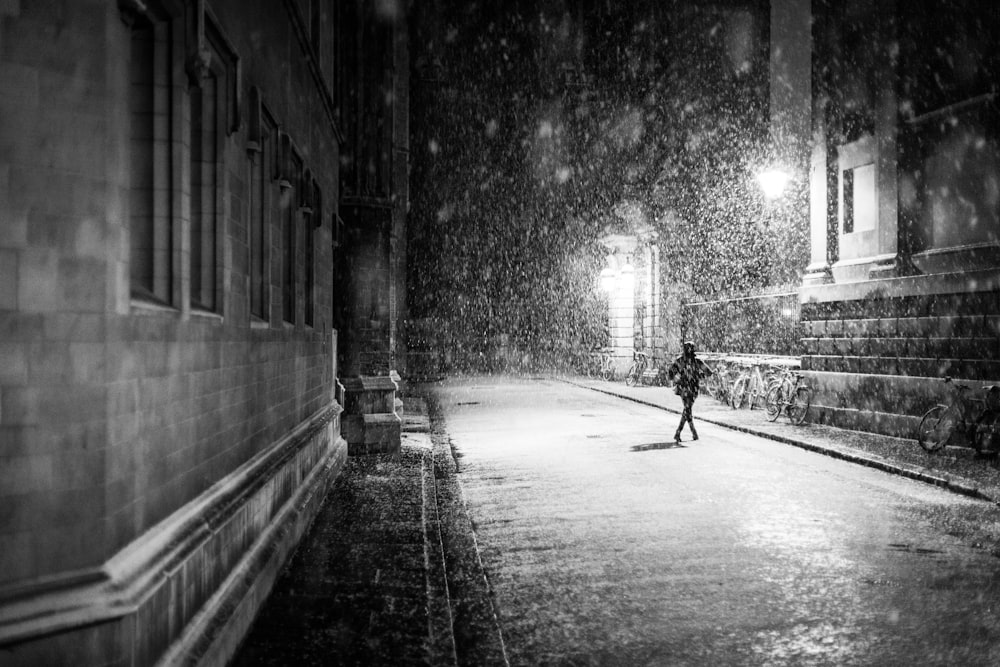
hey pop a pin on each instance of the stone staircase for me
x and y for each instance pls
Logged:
(876, 359)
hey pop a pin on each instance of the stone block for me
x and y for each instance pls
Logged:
(916, 347)
(26, 474)
(960, 348)
(911, 326)
(948, 325)
(985, 348)
(13, 363)
(853, 329)
(887, 327)
(20, 406)
(352, 428)
(867, 327)
(896, 347)
(824, 346)
(20, 84)
(937, 348)
(10, 8)
(369, 394)
(17, 561)
(991, 324)
(38, 287)
(988, 370)
(879, 365)
(66, 404)
(381, 434)
(843, 346)
(810, 345)
(49, 362)
(83, 283)
(9, 278)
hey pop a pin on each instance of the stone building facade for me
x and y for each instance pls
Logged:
(170, 214)
(904, 282)
(370, 257)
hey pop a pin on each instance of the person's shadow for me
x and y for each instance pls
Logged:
(670, 444)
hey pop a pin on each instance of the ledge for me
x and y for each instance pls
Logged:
(369, 383)
(986, 280)
(132, 577)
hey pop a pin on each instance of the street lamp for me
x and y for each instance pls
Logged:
(608, 279)
(773, 182)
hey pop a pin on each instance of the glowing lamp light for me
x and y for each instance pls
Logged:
(608, 279)
(773, 182)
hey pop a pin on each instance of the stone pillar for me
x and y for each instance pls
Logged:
(818, 272)
(887, 156)
(623, 311)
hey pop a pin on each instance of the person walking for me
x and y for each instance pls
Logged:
(686, 373)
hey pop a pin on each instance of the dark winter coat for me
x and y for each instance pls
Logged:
(687, 372)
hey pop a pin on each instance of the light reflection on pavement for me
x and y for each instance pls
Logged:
(605, 544)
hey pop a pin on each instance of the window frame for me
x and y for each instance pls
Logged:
(159, 286)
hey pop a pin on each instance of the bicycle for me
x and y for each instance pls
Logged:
(607, 367)
(750, 388)
(640, 361)
(719, 385)
(601, 364)
(977, 419)
(789, 396)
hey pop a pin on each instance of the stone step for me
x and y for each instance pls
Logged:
(971, 325)
(887, 404)
(923, 347)
(908, 306)
(977, 370)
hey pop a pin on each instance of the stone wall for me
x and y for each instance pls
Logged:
(876, 351)
(158, 460)
(756, 324)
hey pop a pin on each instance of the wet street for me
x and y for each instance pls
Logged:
(606, 544)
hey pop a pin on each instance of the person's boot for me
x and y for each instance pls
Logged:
(677, 437)
(694, 433)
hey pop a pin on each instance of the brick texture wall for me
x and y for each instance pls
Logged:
(116, 413)
(876, 359)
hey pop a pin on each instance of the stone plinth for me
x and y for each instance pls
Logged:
(370, 422)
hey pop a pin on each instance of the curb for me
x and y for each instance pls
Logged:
(878, 464)
(474, 635)
(441, 648)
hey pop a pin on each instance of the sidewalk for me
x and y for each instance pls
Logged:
(954, 468)
(369, 585)
(366, 586)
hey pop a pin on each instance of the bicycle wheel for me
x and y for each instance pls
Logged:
(987, 433)
(774, 402)
(712, 385)
(632, 378)
(935, 428)
(608, 372)
(755, 393)
(798, 405)
(738, 396)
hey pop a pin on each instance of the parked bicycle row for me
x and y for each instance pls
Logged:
(773, 385)
(742, 382)
(971, 419)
